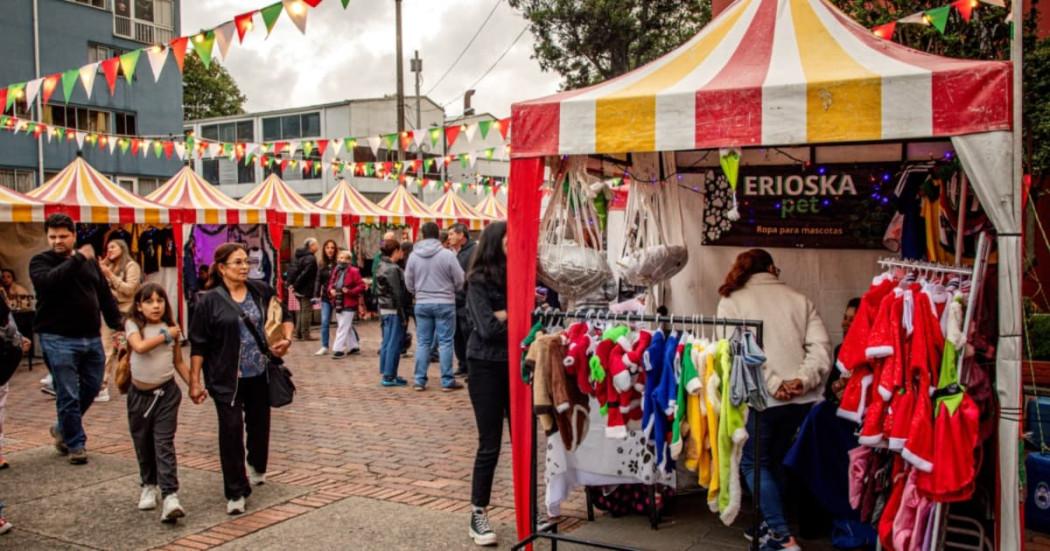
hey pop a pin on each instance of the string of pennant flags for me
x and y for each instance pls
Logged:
(201, 44)
(935, 17)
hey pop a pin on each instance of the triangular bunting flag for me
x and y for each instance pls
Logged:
(203, 44)
(157, 56)
(284, 165)
(14, 93)
(32, 89)
(470, 130)
(938, 17)
(224, 36)
(158, 149)
(406, 140)
(451, 133)
(322, 146)
(128, 63)
(886, 31)
(439, 162)
(124, 145)
(373, 143)
(49, 87)
(391, 141)
(1000, 3)
(419, 136)
(917, 18)
(336, 145)
(504, 127)
(244, 23)
(169, 149)
(346, 3)
(3, 102)
(112, 143)
(87, 77)
(110, 68)
(464, 160)
(308, 148)
(484, 127)
(80, 139)
(180, 150)
(427, 164)
(270, 14)
(297, 13)
(293, 146)
(178, 50)
(146, 143)
(490, 153)
(435, 136)
(965, 8)
(350, 144)
(135, 143)
(69, 80)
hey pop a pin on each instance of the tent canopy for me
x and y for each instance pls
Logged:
(356, 208)
(405, 204)
(452, 207)
(492, 208)
(196, 201)
(771, 72)
(88, 196)
(16, 207)
(287, 207)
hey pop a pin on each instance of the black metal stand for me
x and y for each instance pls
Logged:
(549, 530)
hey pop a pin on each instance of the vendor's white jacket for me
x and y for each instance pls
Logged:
(794, 338)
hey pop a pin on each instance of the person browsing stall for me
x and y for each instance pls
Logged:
(124, 276)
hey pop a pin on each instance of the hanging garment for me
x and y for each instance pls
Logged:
(732, 434)
(747, 385)
(906, 525)
(556, 400)
(654, 361)
(893, 505)
(852, 357)
(685, 359)
(713, 413)
(663, 404)
(579, 340)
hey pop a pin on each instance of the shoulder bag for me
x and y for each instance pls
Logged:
(278, 376)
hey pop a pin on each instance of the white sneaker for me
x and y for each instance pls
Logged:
(323, 351)
(256, 478)
(103, 395)
(46, 381)
(149, 497)
(235, 506)
(172, 509)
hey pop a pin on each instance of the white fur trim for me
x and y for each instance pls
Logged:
(897, 444)
(625, 343)
(886, 393)
(729, 514)
(672, 407)
(841, 366)
(622, 381)
(619, 433)
(676, 449)
(916, 461)
(878, 351)
(693, 386)
(563, 407)
(874, 441)
(713, 396)
(713, 504)
(569, 361)
(639, 387)
(854, 416)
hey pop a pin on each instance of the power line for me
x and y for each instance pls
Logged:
(491, 67)
(467, 47)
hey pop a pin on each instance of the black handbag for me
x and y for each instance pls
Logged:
(278, 376)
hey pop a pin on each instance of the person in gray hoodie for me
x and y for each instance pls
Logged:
(433, 276)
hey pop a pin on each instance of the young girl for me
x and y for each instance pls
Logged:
(154, 397)
(344, 290)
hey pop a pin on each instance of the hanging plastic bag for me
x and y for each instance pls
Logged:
(649, 257)
(572, 258)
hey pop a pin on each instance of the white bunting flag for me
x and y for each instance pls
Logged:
(180, 150)
(87, 77)
(112, 144)
(373, 143)
(146, 145)
(470, 131)
(158, 56)
(32, 89)
(293, 146)
(916, 18)
(224, 37)
(439, 162)
(419, 136)
(334, 146)
(296, 11)
(80, 139)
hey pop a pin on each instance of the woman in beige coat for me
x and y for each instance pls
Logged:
(798, 360)
(124, 277)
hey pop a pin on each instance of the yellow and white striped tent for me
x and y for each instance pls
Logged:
(356, 208)
(286, 207)
(405, 204)
(492, 207)
(86, 195)
(453, 208)
(195, 201)
(16, 207)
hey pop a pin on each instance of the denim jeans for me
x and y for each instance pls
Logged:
(435, 322)
(77, 366)
(390, 350)
(780, 424)
(326, 323)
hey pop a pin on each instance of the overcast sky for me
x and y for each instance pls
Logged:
(350, 54)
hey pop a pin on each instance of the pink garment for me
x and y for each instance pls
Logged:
(906, 530)
(860, 459)
(923, 521)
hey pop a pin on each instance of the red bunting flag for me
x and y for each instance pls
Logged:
(49, 87)
(451, 133)
(284, 165)
(244, 23)
(886, 31)
(388, 167)
(406, 140)
(110, 67)
(135, 143)
(417, 165)
(504, 127)
(169, 149)
(178, 50)
(313, 3)
(965, 8)
(322, 146)
(278, 147)
(40, 128)
(3, 100)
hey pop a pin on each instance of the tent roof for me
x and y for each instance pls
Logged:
(288, 207)
(88, 196)
(346, 199)
(407, 205)
(203, 203)
(452, 207)
(16, 207)
(771, 72)
(492, 207)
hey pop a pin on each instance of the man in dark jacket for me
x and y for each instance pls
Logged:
(459, 240)
(71, 292)
(393, 310)
(303, 279)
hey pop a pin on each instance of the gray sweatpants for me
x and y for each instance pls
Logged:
(153, 416)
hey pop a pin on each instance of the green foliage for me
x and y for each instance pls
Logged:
(1037, 334)
(588, 41)
(209, 92)
(1037, 108)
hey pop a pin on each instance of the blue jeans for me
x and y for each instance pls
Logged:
(435, 322)
(780, 424)
(390, 350)
(77, 366)
(326, 323)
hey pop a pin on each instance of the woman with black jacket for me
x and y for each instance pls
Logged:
(324, 272)
(224, 349)
(487, 367)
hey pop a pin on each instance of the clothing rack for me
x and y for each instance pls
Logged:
(549, 530)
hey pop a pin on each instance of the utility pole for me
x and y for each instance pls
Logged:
(39, 101)
(400, 87)
(417, 68)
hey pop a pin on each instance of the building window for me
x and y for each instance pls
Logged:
(18, 179)
(148, 21)
(124, 124)
(292, 127)
(101, 52)
(148, 185)
(127, 183)
(79, 118)
(241, 131)
(101, 4)
(210, 170)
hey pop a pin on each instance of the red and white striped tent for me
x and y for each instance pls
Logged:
(453, 208)
(17, 207)
(767, 73)
(195, 201)
(356, 208)
(86, 195)
(287, 208)
(492, 207)
(407, 205)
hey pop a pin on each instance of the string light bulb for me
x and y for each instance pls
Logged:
(297, 7)
(199, 38)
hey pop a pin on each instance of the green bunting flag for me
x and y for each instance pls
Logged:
(128, 62)
(14, 92)
(435, 135)
(391, 141)
(484, 126)
(202, 44)
(464, 160)
(308, 148)
(69, 82)
(349, 144)
(490, 153)
(158, 149)
(346, 3)
(938, 17)
(427, 164)
(124, 145)
(270, 14)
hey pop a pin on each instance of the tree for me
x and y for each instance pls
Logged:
(588, 41)
(209, 92)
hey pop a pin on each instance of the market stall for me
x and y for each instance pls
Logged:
(357, 210)
(769, 74)
(405, 204)
(451, 207)
(492, 207)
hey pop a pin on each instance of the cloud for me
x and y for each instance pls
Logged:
(351, 54)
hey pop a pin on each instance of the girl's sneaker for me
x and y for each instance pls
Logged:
(172, 509)
(149, 497)
(480, 529)
(776, 542)
(323, 351)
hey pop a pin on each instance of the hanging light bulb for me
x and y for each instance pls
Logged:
(199, 38)
(297, 7)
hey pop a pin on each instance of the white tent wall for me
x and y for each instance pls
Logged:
(18, 243)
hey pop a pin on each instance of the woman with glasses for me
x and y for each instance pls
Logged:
(224, 349)
(798, 359)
